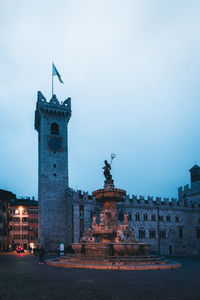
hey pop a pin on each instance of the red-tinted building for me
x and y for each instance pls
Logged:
(23, 223)
(5, 198)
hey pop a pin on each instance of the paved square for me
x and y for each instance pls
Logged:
(21, 277)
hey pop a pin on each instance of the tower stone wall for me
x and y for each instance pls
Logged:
(54, 196)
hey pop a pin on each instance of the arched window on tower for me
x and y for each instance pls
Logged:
(54, 128)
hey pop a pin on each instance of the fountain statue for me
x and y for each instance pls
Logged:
(109, 237)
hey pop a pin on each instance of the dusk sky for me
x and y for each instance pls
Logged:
(132, 69)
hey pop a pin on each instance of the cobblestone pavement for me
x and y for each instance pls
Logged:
(21, 277)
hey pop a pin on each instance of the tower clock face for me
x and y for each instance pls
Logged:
(55, 143)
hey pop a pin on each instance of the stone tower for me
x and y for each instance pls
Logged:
(195, 175)
(55, 207)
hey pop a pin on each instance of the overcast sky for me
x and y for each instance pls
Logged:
(132, 69)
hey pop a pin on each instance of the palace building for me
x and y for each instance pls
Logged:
(171, 226)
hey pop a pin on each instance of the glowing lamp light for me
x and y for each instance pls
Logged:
(16, 211)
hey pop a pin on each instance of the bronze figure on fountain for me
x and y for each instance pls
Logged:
(107, 169)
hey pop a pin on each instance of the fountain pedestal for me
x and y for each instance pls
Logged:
(109, 237)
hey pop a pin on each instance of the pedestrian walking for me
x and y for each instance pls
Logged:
(41, 255)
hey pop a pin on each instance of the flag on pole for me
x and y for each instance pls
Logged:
(56, 73)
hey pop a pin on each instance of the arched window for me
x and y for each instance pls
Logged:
(163, 234)
(141, 233)
(152, 233)
(54, 128)
(129, 216)
(180, 232)
(168, 218)
(137, 217)
(145, 217)
(153, 217)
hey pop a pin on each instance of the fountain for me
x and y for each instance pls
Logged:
(110, 244)
(109, 238)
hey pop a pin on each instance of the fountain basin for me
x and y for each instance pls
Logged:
(106, 249)
(111, 194)
(125, 249)
(97, 249)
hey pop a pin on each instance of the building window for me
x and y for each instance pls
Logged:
(168, 218)
(121, 216)
(145, 217)
(33, 212)
(198, 233)
(129, 216)
(141, 233)
(16, 219)
(33, 220)
(153, 217)
(137, 217)
(180, 233)
(198, 220)
(163, 234)
(25, 228)
(16, 228)
(177, 219)
(24, 219)
(54, 128)
(24, 237)
(152, 233)
(160, 218)
(16, 237)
